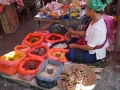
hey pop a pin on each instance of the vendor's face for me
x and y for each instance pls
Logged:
(88, 11)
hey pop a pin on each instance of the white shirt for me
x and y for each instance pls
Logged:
(96, 35)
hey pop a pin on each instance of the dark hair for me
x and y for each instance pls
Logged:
(98, 11)
(49, 1)
(103, 1)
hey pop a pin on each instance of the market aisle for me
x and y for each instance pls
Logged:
(8, 41)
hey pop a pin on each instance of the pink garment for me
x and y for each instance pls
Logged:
(54, 5)
(19, 3)
(110, 24)
(109, 20)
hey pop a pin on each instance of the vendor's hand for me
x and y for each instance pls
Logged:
(72, 31)
(72, 45)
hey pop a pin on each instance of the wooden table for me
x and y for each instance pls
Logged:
(49, 21)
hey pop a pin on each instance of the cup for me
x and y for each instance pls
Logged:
(40, 14)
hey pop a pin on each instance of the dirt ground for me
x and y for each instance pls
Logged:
(110, 76)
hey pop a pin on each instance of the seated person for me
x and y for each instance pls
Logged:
(92, 47)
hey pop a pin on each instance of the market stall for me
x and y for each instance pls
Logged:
(40, 60)
(46, 15)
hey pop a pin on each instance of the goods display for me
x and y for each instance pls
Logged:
(52, 38)
(58, 14)
(64, 45)
(9, 62)
(46, 66)
(33, 39)
(58, 54)
(45, 32)
(48, 74)
(29, 67)
(77, 77)
(12, 56)
(40, 51)
(75, 10)
(50, 70)
(51, 6)
(83, 4)
(45, 10)
(30, 63)
(58, 29)
(21, 48)
(61, 44)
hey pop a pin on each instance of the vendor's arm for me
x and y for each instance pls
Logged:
(94, 37)
(83, 47)
(80, 33)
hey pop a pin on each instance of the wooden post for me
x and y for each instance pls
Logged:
(117, 44)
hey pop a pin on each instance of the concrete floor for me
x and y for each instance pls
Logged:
(110, 76)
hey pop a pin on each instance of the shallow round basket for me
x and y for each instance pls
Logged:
(91, 77)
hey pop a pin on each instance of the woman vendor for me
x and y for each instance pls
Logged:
(92, 46)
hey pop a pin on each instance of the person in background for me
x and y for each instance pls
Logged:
(93, 44)
(6, 2)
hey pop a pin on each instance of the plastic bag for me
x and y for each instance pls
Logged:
(58, 29)
(33, 39)
(45, 32)
(28, 74)
(61, 44)
(35, 51)
(46, 84)
(44, 66)
(60, 54)
(21, 48)
(53, 38)
(11, 67)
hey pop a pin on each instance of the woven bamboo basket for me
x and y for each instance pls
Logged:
(91, 77)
